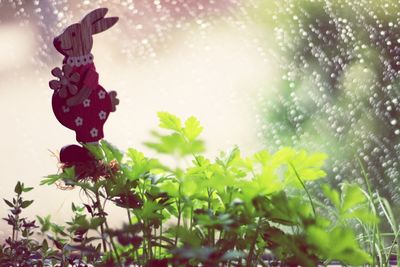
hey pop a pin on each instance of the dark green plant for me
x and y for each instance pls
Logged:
(20, 249)
(231, 211)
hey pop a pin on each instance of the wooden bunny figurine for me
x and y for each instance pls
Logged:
(79, 102)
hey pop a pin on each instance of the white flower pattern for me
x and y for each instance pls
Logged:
(102, 95)
(65, 109)
(102, 115)
(78, 121)
(94, 132)
(86, 103)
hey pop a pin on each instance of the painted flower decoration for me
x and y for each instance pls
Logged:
(94, 132)
(102, 115)
(67, 81)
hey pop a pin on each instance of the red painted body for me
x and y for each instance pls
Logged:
(87, 118)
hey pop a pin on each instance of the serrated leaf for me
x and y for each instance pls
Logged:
(175, 143)
(332, 194)
(352, 196)
(138, 164)
(192, 128)
(111, 152)
(362, 214)
(227, 159)
(169, 121)
(262, 157)
(170, 187)
(339, 243)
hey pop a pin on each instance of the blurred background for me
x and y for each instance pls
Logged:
(317, 75)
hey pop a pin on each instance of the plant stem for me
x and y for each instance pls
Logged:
(113, 245)
(253, 244)
(101, 211)
(103, 239)
(16, 225)
(13, 233)
(179, 221)
(129, 216)
(179, 214)
(209, 210)
(305, 188)
(148, 230)
(391, 248)
(375, 230)
(191, 217)
(161, 233)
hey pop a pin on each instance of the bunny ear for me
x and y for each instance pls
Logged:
(95, 15)
(103, 24)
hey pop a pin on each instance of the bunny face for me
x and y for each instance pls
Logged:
(77, 40)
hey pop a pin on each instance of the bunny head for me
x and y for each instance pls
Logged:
(77, 40)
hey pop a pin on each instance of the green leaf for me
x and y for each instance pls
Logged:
(58, 229)
(96, 222)
(345, 247)
(352, 196)
(136, 157)
(95, 150)
(169, 121)
(45, 246)
(8, 203)
(332, 194)
(339, 243)
(227, 159)
(27, 189)
(111, 152)
(139, 165)
(308, 167)
(363, 214)
(192, 128)
(18, 188)
(45, 222)
(192, 187)
(68, 173)
(50, 179)
(26, 203)
(187, 237)
(149, 210)
(262, 157)
(175, 144)
(319, 237)
(170, 187)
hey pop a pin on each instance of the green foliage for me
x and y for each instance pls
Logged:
(339, 243)
(68, 173)
(20, 249)
(233, 210)
(182, 140)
